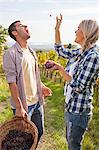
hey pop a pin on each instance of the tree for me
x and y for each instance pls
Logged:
(3, 35)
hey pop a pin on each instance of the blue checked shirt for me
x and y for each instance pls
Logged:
(83, 78)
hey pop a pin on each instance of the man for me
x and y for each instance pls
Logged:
(21, 69)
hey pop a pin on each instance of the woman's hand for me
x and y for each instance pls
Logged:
(57, 66)
(52, 65)
(58, 22)
(57, 31)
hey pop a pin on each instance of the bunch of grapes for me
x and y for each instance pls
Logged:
(49, 65)
(17, 140)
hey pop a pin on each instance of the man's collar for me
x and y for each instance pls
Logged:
(19, 48)
(17, 45)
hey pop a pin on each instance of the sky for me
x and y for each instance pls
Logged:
(40, 17)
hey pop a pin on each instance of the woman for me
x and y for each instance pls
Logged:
(81, 73)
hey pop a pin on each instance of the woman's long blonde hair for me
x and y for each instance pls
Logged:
(90, 31)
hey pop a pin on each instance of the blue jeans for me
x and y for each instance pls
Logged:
(37, 117)
(76, 125)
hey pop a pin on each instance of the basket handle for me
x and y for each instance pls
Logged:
(26, 117)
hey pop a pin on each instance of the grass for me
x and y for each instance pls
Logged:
(92, 137)
(54, 118)
(6, 114)
(54, 115)
(4, 91)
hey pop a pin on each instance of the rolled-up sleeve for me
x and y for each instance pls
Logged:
(65, 52)
(9, 67)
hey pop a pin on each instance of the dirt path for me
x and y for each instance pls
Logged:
(46, 142)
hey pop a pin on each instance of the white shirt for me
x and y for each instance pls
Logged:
(30, 83)
(69, 89)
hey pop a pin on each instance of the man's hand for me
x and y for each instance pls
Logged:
(46, 91)
(21, 112)
(21, 108)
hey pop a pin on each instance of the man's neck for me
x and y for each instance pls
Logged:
(23, 43)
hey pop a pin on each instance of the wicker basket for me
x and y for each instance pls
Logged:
(22, 124)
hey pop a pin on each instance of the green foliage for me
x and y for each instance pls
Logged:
(54, 116)
(43, 56)
(6, 114)
(52, 55)
(91, 141)
(55, 120)
(4, 91)
(3, 34)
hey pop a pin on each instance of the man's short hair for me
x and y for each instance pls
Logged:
(11, 28)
